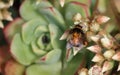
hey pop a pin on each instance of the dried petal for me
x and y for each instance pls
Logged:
(106, 42)
(95, 38)
(3, 5)
(102, 19)
(83, 71)
(116, 56)
(7, 15)
(95, 70)
(11, 2)
(95, 27)
(6, 5)
(98, 58)
(77, 18)
(108, 54)
(108, 65)
(62, 2)
(95, 48)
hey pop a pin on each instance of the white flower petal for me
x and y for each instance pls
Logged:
(102, 19)
(108, 65)
(95, 48)
(62, 2)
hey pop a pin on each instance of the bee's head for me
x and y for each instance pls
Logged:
(77, 29)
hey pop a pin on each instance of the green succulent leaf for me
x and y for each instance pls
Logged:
(51, 14)
(28, 11)
(37, 50)
(44, 69)
(21, 52)
(55, 34)
(29, 28)
(13, 28)
(53, 56)
(87, 2)
(72, 66)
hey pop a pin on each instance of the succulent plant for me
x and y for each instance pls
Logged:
(37, 45)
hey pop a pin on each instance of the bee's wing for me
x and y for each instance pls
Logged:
(65, 34)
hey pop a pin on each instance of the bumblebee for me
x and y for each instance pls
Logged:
(75, 37)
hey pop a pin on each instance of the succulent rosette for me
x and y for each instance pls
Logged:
(34, 39)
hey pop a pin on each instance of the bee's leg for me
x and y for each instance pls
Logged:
(69, 45)
(68, 51)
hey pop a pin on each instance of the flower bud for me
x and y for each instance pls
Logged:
(116, 56)
(95, 27)
(98, 58)
(11, 2)
(118, 67)
(84, 26)
(102, 19)
(76, 18)
(95, 70)
(108, 65)
(62, 2)
(108, 54)
(38, 1)
(7, 15)
(117, 37)
(106, 42)
(83, 71)
(3, 5)
(95, 38)
(95, 49)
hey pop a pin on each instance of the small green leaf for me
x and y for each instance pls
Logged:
(29, 28)
(44, 69)
(55, 34)
(53, 56)
(51, 14)
(28, 11)
(43, 40)
(87, 2)
(37, 50)
(41, 29)
(74, 64)
(21, 52)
